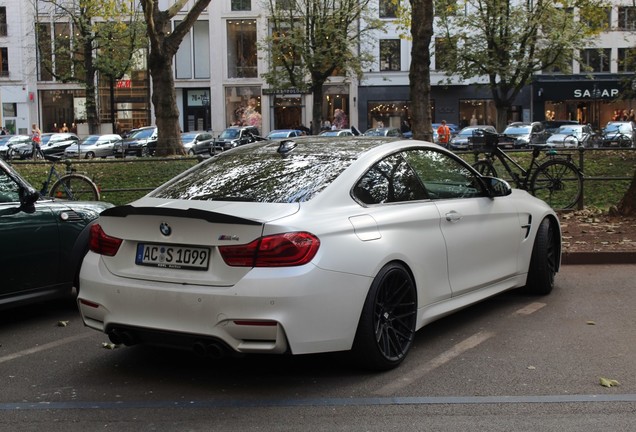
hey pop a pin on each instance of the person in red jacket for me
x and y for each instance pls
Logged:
(443, 134)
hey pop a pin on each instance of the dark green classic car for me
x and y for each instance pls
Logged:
(42, 241)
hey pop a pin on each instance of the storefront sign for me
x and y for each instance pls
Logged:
(272, 91)
(610, 93)
(124, 83)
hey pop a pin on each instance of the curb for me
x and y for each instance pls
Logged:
(581, 258)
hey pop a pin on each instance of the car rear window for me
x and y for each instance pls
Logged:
(261, 173)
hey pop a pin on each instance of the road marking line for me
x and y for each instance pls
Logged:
(438, 361)
(44, 347)
(223, 403)
(530, 309)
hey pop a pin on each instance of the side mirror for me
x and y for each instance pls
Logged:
(497, 186)
(28, 198)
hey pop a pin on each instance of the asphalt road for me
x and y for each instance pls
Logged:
(512, 363)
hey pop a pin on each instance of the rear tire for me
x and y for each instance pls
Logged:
(544, 263)
(387, 324)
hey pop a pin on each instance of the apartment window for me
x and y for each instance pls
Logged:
(241, 5)
(3, 21)
(285, 4)
(627, 59)
(627, 18)
(388, 9)
(390, 55)
(596, 17)
(241, 49)
(595, 60)
(445, 54)
(4, 59)
(62, 50)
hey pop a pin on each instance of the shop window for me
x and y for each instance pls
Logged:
(241, 5)
(627, 18)
(3, 21)
(390, 59)
(445, 54)
(241, 49)
(388, 114)
(388, 9)
(596, 60)
(4, 60)
(243, 106)
(477, 112)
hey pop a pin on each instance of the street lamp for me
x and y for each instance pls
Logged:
(205, 100)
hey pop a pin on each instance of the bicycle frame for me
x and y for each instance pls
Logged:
(522, 175)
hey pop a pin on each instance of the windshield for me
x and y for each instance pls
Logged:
(90, 140)
(517, 130)
(229, 134)
(569, 130)
(187, 137)
(143, 133)
(618, 128)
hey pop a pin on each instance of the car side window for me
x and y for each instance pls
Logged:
(443, 176)
(9, 189)
(389, 180)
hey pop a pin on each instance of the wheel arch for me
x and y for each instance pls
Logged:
(76, 257)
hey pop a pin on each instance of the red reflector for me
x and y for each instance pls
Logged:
(278, 250)
(101, 243)
(89, 303)
(255, 323)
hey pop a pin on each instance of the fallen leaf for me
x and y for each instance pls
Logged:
(109, 345)
(605, 382)
(62, 323)
(531, 367)
(590, 322)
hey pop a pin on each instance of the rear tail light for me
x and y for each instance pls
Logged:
(279, 250)
(101, 243)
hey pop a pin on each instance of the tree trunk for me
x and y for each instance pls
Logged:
(419, 73)
(316, 112)
(164, 99)
(92, 117)
(627, 205)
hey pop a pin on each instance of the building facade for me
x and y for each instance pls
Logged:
(218, 71)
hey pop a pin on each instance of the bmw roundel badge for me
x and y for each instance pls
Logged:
(165, 229)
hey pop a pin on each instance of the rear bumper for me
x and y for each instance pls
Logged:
(300, 310)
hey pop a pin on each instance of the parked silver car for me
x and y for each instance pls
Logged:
(93, 146)
(197, 142)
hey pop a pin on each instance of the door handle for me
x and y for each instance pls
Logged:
(453, 216)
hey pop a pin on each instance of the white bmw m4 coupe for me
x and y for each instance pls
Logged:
(310, 245)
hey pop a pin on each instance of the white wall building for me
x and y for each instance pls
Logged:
(218, 79)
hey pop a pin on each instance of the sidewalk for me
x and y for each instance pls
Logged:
(576, 258)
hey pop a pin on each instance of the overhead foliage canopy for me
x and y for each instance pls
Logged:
(312, 40)
(507, 42)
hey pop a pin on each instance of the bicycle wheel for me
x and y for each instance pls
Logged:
(485, 168)
(557, 182)
(75, 187)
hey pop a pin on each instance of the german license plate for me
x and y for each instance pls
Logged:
(172, 256)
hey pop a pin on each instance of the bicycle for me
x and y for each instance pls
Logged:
(70, 185)
(554, 179)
